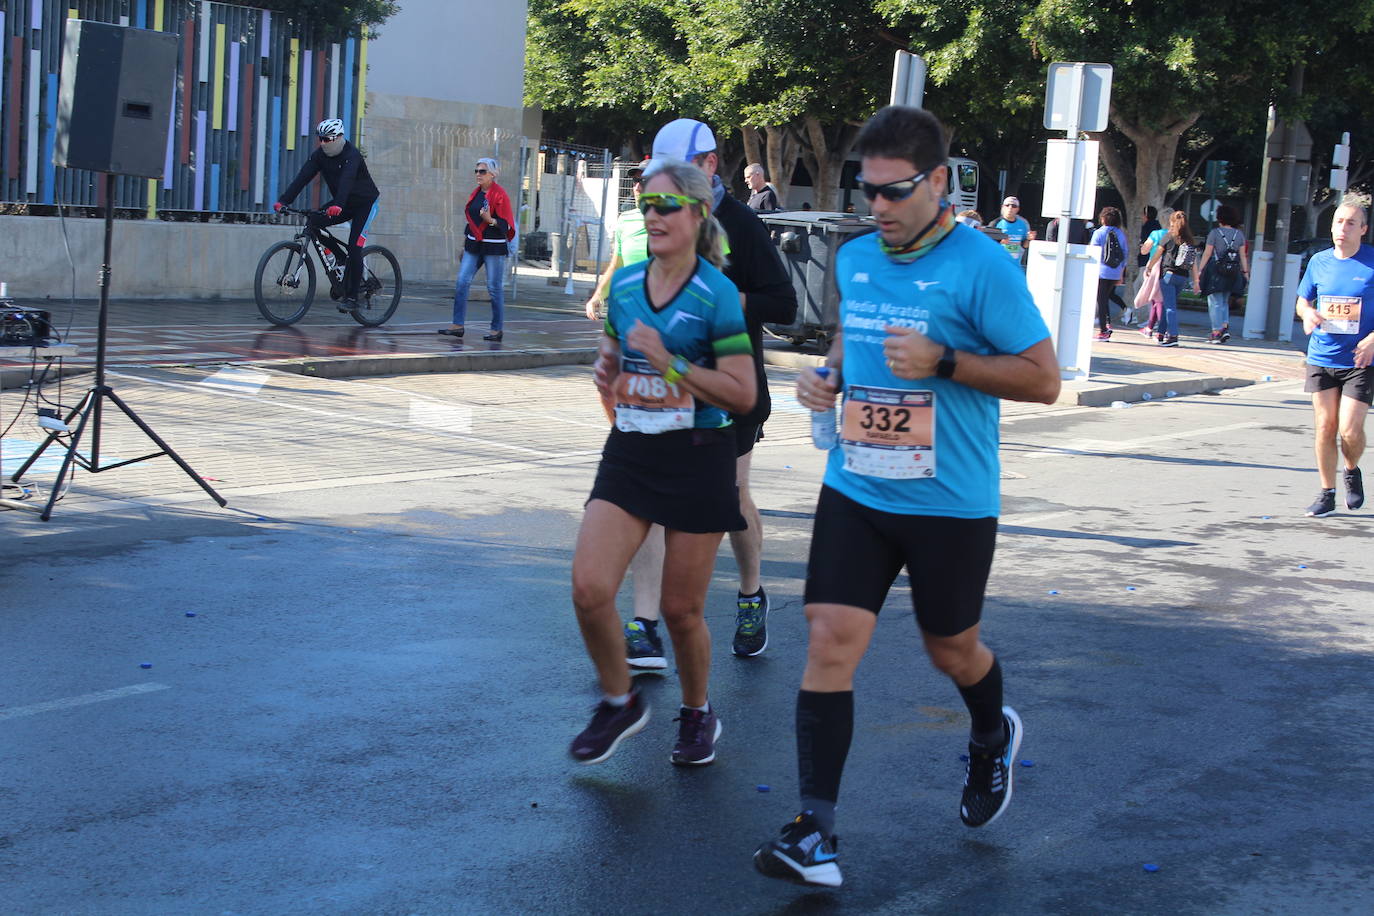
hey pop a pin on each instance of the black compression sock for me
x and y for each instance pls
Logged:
(825, 727)
(984, 702)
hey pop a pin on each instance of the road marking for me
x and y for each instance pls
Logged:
(83, 700)
(230, 378)
(338, 415)
(1108, 447)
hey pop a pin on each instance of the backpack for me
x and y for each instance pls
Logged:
(1227, 261)
(1113, 254)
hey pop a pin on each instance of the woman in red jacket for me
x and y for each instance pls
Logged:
(490, 226)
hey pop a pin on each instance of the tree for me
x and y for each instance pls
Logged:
(336, 17)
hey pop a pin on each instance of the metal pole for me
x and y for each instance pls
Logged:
(1061, 258)
(605, 189)
(103, 322)
(1284, 217)
(520, 205)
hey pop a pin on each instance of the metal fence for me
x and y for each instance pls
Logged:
(249, 88)
(569, 198)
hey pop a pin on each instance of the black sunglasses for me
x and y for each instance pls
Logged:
(893, 190)
(479, 171)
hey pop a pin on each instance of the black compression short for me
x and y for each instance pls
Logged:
(857, 552)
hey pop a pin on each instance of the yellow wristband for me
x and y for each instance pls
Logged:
(676, 370)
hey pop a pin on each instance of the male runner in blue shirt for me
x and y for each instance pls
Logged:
(936, 324)
(1336, 305)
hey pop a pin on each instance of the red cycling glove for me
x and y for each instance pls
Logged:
(333, 212)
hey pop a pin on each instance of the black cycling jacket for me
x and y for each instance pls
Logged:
(346, 174)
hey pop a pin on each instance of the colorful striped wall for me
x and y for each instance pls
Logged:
(249, 88)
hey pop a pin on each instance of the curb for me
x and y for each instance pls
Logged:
(406, 364)
(1102, 394)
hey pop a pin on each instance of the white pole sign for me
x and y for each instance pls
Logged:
(908, 79)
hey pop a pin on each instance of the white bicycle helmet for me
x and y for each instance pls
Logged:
(330, 127)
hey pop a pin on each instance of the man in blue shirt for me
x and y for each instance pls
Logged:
(1014, 226)
(936, 324)
(1336, 305)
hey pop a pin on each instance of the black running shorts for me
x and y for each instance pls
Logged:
(746, 435)
(1354, 383)
(857, 552)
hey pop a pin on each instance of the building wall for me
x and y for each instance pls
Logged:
(438, 99)
(444, 82)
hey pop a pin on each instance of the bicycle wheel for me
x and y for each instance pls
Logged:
(284, 285)
(380, 290)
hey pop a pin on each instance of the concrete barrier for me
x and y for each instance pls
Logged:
(151, 259)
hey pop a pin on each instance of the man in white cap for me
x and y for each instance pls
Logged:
(1014, 226)
(766, 293)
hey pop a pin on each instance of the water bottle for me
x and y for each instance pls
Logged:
(823, 434)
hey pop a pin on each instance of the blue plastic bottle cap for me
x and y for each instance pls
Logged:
(146, 665)
(1130, 588)
(190, 613)
(1027, 763)
(1053, 592)
(763, 788)
(1266, 517)
(1150, 866)
(787, 467)
(1302, 566)
(1146, 396)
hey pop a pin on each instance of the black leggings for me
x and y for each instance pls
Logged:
(1105, 293)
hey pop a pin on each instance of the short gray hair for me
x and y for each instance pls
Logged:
(753, 167)
(1357, 202)
(491, 165)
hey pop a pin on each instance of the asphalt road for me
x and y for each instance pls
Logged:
(370, 709)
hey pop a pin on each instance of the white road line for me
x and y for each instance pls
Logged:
(83, 700)
(336, 415)
(1109, 447)
(248, 381)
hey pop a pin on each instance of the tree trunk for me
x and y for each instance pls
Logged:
(780, 161)
(1146, 179)
(824, 157)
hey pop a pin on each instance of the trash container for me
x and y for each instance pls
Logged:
(807, 241)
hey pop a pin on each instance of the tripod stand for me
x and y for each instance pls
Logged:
(90, 407)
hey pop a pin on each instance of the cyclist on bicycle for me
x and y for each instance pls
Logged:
(354, 197)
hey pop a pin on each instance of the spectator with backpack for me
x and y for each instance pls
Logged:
(1176, 256)
(1225, 269)
(1112, 241)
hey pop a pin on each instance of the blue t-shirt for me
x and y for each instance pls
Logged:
(1342, 291)
(704, 321)
(1100, 240)
(964, 294)
(1016, 231)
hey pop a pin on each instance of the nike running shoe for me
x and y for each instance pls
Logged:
(696, 737)
(610, 725)
(643, 646)
(751, 624)
(1324, 506)
(987, 778)
(803, 854)
(1354, 489)
(1171, 341)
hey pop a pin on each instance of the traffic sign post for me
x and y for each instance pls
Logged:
(908, 80)
(1077, 99)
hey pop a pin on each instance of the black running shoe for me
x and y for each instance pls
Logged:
(1325, 504)
(987, 779)
(803, 854)
(1354, 489)
(696, 737)
(644, 647)
(610, 725)
(751, 624)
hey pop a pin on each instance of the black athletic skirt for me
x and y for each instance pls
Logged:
(684, 479)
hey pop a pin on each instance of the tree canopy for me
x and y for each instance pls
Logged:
(796, 77)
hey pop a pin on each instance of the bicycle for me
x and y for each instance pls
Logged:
(284, 285)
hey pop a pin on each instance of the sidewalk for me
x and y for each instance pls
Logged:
(545, 326)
